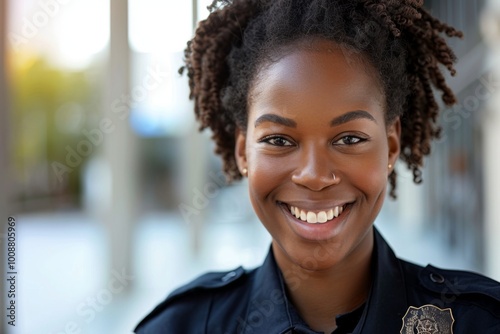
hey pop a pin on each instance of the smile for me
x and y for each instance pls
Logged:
(316, 217)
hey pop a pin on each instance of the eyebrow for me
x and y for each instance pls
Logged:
(276, 119)
(350, 116)
(347, 117)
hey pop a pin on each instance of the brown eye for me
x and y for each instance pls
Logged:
(349, 140)
(277, 141)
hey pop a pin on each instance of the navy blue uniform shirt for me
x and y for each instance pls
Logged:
(404, 299)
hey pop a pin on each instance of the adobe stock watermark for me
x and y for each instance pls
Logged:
(30, 27)
(261, 311)
(201, 197)
(294, 277)
(362, 40)
(485, 88)
(88, 309)
(120, 109)
(449, 293)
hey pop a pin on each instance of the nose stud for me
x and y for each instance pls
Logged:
(334, 177)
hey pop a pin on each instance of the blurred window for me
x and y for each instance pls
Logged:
(57, 52)
(158, 33)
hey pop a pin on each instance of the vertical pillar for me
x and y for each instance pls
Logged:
(120, 147)
(4, 152)
(491, 31)
(194, 176)
(194, 169)
(195, 13)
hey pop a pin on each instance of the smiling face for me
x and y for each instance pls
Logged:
(317, 151)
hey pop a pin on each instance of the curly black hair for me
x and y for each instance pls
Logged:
(400, 38)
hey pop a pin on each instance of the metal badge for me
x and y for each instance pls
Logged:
(427, 319)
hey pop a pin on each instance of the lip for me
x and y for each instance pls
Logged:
(320, 231)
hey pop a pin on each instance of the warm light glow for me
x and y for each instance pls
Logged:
(159, 25)
(67, 33)
(82, 32)
(202, 9)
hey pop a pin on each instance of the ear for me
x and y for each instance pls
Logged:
(240, 150)
(394, 141)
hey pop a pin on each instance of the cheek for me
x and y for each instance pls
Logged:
(266, 176)
(260, 177)
(369, 173)
(374, 180)
(264, 172)
(263, 180)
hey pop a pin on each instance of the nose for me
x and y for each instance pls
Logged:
(314, 170)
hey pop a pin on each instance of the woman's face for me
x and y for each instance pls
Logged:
(317, 145)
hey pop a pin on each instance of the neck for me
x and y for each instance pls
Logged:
(319, 296)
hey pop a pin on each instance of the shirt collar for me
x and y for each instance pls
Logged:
(387, 301)
(270, 311)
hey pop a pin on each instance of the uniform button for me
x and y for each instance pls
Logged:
(228, 276)
(437, 278)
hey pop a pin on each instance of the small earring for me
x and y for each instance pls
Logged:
(390, 166)
(334, 177)
(245, 172)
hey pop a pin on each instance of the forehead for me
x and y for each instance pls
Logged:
(319, 71)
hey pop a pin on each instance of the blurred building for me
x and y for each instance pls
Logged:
(458, 204)
(454, 179)
(100, 157)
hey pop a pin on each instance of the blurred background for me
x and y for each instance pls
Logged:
(117, 197)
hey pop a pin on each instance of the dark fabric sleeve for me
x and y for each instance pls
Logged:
(187, 315)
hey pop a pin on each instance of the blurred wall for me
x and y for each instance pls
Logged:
(491, 161)
(455, 178)
(54, 104)
(4, 149)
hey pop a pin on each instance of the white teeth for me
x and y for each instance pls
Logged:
(330, 214)
(316, 217)
(311, 218)
(336, 211)
(322, 218)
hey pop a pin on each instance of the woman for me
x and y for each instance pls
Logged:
(313, 102)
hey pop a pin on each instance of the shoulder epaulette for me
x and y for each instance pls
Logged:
(208, 281)
(453, 285)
